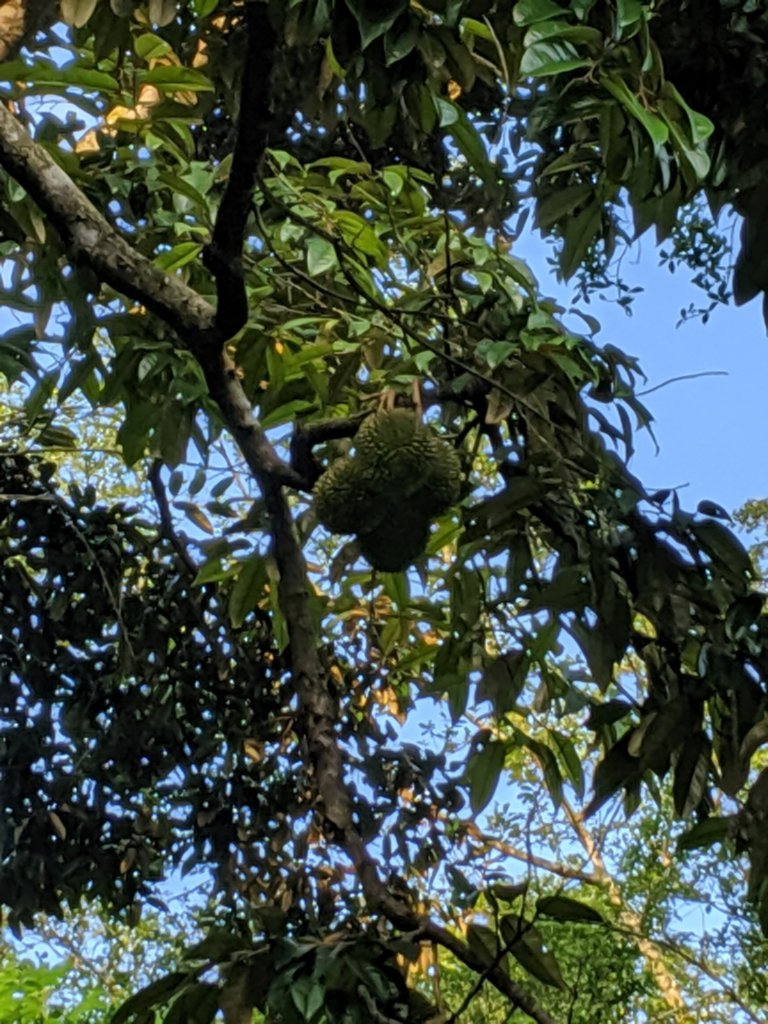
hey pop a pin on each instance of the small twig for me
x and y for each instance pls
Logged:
(166, 519)
(683, 376)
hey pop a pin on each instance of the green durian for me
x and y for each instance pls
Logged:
(343, 500)
(400, 477)
(440, 480)
(392, 446)
(402, 457)
(398, 540)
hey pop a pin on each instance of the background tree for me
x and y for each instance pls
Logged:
(244, 227)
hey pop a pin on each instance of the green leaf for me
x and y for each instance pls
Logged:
(148, 46)
(706, 833)
(44, 75)
(321, 256)
(628, 12)
(562, 30)
(156, 994)
(578, 234)
(692, 773)
(551, 58)
(563, 908)
(173, 431)
(549, 766)
(483, 771)
(467, 138)
(248, 589)
(607, 713)
(701, 126)
(618, 768)
(359, 234)
(178, 256)
(726, 551)
(372, 25)
(503, 680)
(561, 203)
(399, 42)
(484, 943)
(656, 128)
(528, 12)
(526, 944)
(308, 997)
(494, 352)
(167, 78)
(581, 8)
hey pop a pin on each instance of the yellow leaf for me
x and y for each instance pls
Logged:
(77, 12)
(162, 12)
(200, 58)
(121, 114)
(58, 825)
(89, 143)
(201, 519)
(253, 750)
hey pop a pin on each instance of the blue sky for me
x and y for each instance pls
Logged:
(711, 430)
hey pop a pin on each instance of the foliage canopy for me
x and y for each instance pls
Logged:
(239, 228)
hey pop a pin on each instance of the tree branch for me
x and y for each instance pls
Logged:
(223, 255)
(166, 520)
(91, 240)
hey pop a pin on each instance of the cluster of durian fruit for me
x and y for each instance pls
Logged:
(399, 477)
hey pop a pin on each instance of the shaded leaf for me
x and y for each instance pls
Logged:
(563, 908)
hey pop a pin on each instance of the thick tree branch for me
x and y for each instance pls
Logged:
(227, 392)
(91, 239)
(223, 256)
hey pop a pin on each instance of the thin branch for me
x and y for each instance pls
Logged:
(223, 255)
(683, 376)
(166, 520)
(526, 857)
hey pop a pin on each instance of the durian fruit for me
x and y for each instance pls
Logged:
(397, 541)
(393, 446)
(400, 477)
(343, 500)
(440, 480)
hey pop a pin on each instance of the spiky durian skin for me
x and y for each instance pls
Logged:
(387, 428)
(396, 542)
(402, 457)
(342, 499)
(440, 480)
(393, 446)
(400, 477)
